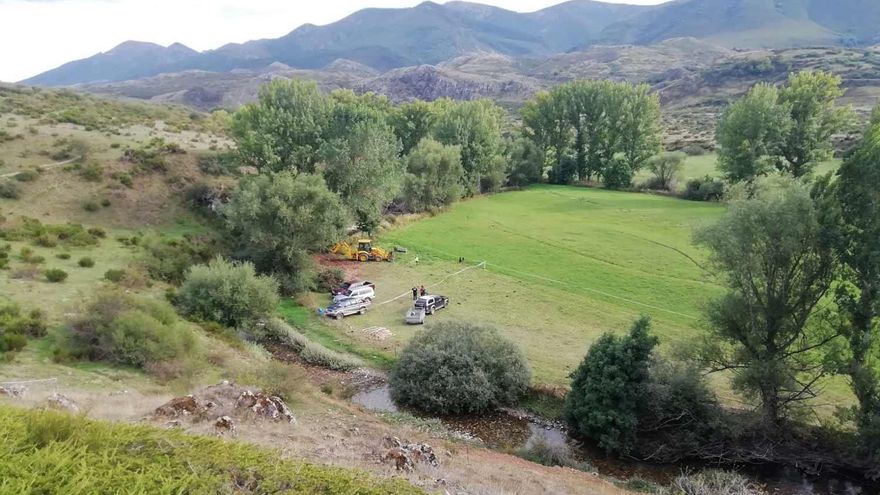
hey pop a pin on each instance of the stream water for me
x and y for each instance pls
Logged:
(510, 431)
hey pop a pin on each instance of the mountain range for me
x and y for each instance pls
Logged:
(429, 33)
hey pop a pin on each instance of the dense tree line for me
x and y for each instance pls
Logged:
(595, 130)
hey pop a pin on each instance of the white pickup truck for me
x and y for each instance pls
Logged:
(425, 305)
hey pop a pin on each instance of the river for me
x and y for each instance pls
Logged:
(510, 431)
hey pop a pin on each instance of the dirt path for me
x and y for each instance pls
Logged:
(46, 166)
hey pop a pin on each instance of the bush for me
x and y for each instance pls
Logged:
(125, 180)
(458, 368)
(328, 279)
(542, 452)
(694, 150)
(128, 330)
(666, 168)
(9, 189)
(114, 275)
(27, 176)
(705, 189)
(712, 482)
(228, 293)
(617, 175)
(16, 327)
(91, 206)
(105, 202)
(603, 403)
(169, 259)
(278, 331)
(86, 262)
(63, 256)
(92, 172)
(55, 275)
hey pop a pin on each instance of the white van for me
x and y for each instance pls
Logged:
(363, 292)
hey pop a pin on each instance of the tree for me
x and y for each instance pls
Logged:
(412, 122)
(751, 133)
(228, 293)
(546, 124)
(433, 176)
(774, 256)
(475, 127)
(603, 403)
(459, 368)
(857, 193)
(277, 219)
(810, 96)
(284, 129)
(525, 163)
(666, 168)
(348, 110)
(364, 169)
(640, 135)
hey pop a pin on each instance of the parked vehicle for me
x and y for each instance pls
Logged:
(362, 292)
(425, 305)
(349, 306)
(351, 285)
(364, 251)
(431, 303)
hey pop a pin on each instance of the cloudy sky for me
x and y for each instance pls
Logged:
(37, 35)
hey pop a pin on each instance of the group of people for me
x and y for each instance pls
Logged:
(418, 291)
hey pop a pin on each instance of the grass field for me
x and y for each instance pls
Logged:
(563, 265)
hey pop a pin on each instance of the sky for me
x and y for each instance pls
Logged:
(38, 35)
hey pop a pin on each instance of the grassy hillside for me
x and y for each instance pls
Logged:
(51, 452)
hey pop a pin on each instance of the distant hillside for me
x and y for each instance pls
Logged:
(753, 23)
(129, 60)
(382, 39)
(430, 33)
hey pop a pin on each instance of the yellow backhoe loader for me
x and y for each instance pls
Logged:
(365, 251)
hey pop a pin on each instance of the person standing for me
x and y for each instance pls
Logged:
(422, 290)
(415, 293)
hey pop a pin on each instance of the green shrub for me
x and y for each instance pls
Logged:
(92, 172)
(169, 259)
(63, 256)
(45, 240)
(16, 327)
(228, 293)
(27, 176)
(603, 403)
(114, 275)
(105, 202)
(9, 189)
(617, 175)
(91, 206)
(128, 330)
(125, 180)
(86, 262)
(71, 454)
(705, 189)
(36, 260)
(480, 370)
(55, 275)
(329, 279)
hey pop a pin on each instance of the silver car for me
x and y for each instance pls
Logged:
(344, 307)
